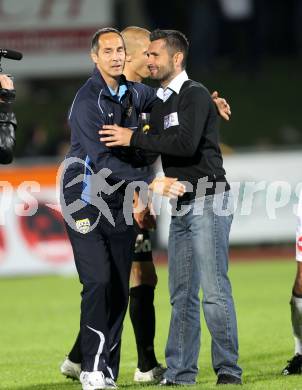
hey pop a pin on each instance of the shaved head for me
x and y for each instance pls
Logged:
(137, 41)
(133, 36)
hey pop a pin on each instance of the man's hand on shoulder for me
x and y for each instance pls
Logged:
(222, 105)
(114, 135)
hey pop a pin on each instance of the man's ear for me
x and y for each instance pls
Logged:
(94, 57)
(178, 58)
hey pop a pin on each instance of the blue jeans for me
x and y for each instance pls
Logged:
(198, 258)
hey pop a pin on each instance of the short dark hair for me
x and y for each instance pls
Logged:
(95, 39)
(175, 41)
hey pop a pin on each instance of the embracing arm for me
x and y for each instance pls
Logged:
(181, 140)
(85, 122)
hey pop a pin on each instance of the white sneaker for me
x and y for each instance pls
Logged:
(110, 384)
(96, 380)
(70, 369)
(153, 376)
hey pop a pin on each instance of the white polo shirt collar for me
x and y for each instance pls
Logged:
(174, 86)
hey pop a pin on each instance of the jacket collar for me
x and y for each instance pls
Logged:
(99, 81)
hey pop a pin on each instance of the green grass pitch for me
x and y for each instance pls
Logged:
(39, 321)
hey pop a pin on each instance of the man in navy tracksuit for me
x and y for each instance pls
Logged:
(102, 242)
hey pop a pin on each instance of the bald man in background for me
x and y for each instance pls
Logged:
(143, 273)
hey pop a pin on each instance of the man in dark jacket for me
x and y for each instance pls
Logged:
(184, 130)
(8, 122)
(95, 182)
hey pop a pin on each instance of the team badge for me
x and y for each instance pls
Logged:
(129, 111)
(83, 225)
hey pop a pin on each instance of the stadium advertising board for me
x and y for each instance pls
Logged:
(32, 232)
(265, 187)
(33, 239)
(53, 35)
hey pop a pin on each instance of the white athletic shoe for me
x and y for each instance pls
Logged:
(153, 376)
(70, 369)
(96, 380)
(110, 384)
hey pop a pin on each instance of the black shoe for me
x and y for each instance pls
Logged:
(294, 366)
(166, 382)
(228, 379)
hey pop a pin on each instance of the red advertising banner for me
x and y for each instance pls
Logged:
(53, 35)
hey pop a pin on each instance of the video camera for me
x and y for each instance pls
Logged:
(5, 94)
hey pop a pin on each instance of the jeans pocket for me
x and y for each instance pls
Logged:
(203, 204)
(223, 204)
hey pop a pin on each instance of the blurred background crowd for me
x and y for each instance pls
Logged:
(249, 50)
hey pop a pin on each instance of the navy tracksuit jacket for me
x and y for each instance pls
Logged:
(103, 255)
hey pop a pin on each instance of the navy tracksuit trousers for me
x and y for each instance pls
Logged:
(103, 259)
